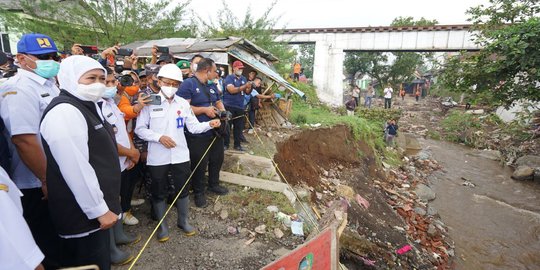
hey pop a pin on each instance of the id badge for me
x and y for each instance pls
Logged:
(180, 122)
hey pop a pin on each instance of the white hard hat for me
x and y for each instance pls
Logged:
(170, 71)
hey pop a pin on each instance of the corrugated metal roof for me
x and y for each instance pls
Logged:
(265, 69)
(189, 45)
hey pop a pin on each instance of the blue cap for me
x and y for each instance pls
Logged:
(35, 43)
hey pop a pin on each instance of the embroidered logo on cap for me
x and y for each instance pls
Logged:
(44, 43)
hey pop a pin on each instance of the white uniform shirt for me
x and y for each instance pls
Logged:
(26, 95)
(168, 119)
(65, 130)
(388, 92)
(18, 250)
(115, 117)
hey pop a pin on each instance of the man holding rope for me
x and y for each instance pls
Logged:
(203, 96)
(163, 127)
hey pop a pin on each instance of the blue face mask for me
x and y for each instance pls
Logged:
(210, 82)
(110, 92)
(46, 68)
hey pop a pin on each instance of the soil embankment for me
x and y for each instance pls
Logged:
(330, 164)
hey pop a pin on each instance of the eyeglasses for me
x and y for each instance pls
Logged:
(171, 84)
(47, 56)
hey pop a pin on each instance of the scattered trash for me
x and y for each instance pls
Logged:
(248, 242)
(224, 214)
(272, 208)
(278, 233)
(468, 184)
(404, 249)
(261, 229)
(297, 228)
(232, 230)
(361, 201)
(316, 125)
(367, 262)
(284, 218)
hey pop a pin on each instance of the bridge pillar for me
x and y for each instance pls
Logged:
(328, 73)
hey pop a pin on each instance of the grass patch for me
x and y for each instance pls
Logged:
(366, 125)
(476, 131)
(433, 134)
(250, 205)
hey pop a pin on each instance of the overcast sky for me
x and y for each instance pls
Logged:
(344, 13)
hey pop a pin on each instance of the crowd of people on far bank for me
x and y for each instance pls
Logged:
(370, 93)
(79, 133)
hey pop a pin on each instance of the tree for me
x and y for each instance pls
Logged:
(374, 64)
(306, 57)
(507, 69)
(104, 22)
(258, 30)
(377, 65)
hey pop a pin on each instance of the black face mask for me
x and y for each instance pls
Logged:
(185, 76)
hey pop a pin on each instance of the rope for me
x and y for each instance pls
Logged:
(284, 178)
(170, 207)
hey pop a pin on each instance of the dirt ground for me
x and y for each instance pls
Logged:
(215, 246)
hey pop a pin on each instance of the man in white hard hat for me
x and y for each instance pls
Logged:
(163, 127)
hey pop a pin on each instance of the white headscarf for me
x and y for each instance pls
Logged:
(72, 69)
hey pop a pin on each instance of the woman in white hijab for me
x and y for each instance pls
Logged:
(83, 173)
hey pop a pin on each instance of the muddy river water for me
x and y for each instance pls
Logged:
(496, 223)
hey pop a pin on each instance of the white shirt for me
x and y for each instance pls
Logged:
(18, 250)
(388, 92)
(115, 117)
(25, 97)
(65, 130)
(168, 119)
(356, 92)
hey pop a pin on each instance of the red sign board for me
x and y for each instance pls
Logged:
(320, 253)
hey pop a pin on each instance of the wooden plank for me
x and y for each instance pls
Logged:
(244, 180)
(268, 88)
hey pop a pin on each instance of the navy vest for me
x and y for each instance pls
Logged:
(66, 213)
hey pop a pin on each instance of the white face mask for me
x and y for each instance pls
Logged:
(168, 91)
(92, 92)
(238, 72)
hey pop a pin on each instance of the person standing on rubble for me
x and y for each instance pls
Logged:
(388, 96)
(391, 132)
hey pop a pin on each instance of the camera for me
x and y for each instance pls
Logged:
(124, 52)
(224, 115)
(126, 80)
